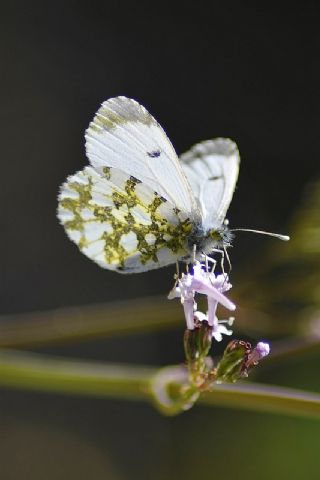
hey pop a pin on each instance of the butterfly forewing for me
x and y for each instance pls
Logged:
(124, 135)
(121, 223)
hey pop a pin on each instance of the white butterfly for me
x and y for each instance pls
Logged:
(138, 206)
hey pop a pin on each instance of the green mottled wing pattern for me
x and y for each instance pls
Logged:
(121, 223)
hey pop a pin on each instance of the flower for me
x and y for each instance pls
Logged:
(184, 290)
(218, 326)
(206, 283)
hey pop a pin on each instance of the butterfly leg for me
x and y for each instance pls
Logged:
(212, 260)
(222, 253)
(177, 274)
(194, 253)
(207, 260)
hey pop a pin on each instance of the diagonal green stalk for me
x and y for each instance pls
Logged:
(92, 321)
(74, 324)
(53, 375)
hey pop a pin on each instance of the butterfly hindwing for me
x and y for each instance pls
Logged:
(212, 169)
(120, 223)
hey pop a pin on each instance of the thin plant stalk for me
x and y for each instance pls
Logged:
(41, 373)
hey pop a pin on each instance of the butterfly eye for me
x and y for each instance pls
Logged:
(215, 235)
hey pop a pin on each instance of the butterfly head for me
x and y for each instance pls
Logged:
(221, 237)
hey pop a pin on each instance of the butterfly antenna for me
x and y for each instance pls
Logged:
(285, 238)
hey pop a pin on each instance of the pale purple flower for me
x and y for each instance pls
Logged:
(212, 286)
(218, 326)
(206, 283)
(184, 290)
(260, 351)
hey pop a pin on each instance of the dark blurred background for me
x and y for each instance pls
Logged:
(243, 70)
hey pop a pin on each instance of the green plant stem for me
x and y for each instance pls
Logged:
(264, 398)
(48, 374)
(51, 374)
(134, 316)
(80, 323)
(74, 324)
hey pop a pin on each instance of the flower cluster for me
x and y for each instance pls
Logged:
(211, 285)
(202, 372)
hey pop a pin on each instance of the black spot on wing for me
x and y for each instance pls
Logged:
(154, 154)
(134, 180)
(215, 178)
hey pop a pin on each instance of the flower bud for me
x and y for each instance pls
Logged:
(260, 351)
(197, 342)
(232, 366)
(238, 358)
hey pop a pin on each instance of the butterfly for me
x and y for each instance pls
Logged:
(138, 206)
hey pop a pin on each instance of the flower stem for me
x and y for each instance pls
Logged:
(47, 374)
(264, 398)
